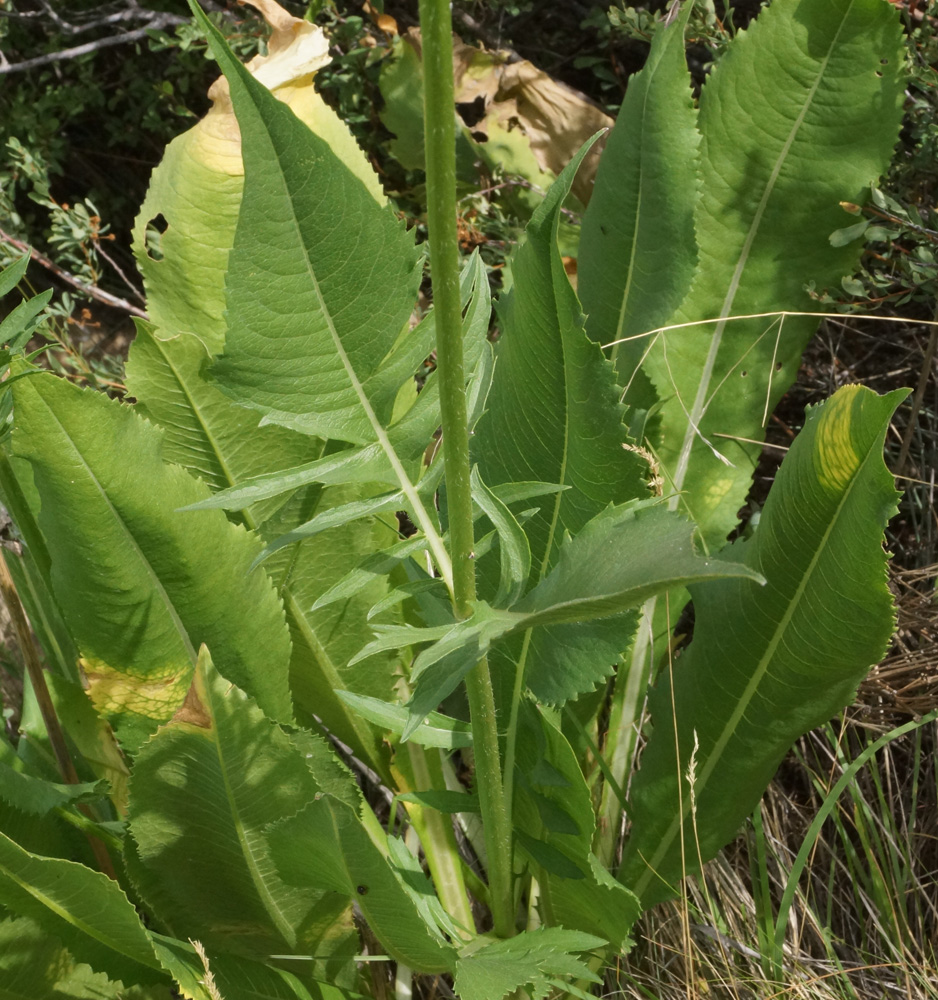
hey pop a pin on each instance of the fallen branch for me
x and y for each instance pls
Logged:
(70, 279)
(154, 24)
(131, 13)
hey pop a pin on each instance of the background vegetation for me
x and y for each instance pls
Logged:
(92, 93)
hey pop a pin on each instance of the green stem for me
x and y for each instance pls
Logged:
(439, 843)
(440, 143)
(496, 824)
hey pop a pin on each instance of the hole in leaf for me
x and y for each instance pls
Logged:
(778, 366)
(154, 237)
(744, 374)
(472, 112)
(879, 73)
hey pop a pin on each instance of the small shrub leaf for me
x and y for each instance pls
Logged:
(532, 961)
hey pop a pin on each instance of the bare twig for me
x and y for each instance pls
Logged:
(62, 274)
(133, 11)
(154, 24)
(120, 272)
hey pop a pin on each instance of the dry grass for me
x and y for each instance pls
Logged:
(905, 684)
(865, 918)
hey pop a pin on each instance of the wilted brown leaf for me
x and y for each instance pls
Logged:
(555, 119)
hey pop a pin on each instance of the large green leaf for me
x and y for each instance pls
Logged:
(203, 790)
(325, 848)
(140, 586)
(413, 424)
(320, 278)
(84, 909)
(769, 663)
(637, 247)
(35, 966)
(209, 434)
(801, 113)
(621, 557)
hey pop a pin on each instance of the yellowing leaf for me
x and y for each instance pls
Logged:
(122, 690)
(835, 457)
(195, 193)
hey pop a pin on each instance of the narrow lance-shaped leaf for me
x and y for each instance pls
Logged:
(514, 551)
(553, 415)
(623, 556)
(637, 247)
(620, 558)
(140, 586)
(769, 663)
(801, 113)
(437, 731)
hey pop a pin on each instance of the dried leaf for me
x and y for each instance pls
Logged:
(554, 119)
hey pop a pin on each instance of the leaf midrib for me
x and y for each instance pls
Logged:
(282, 924)
(131, 538)
(436, 543)
(715, 755)
(703, 389)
